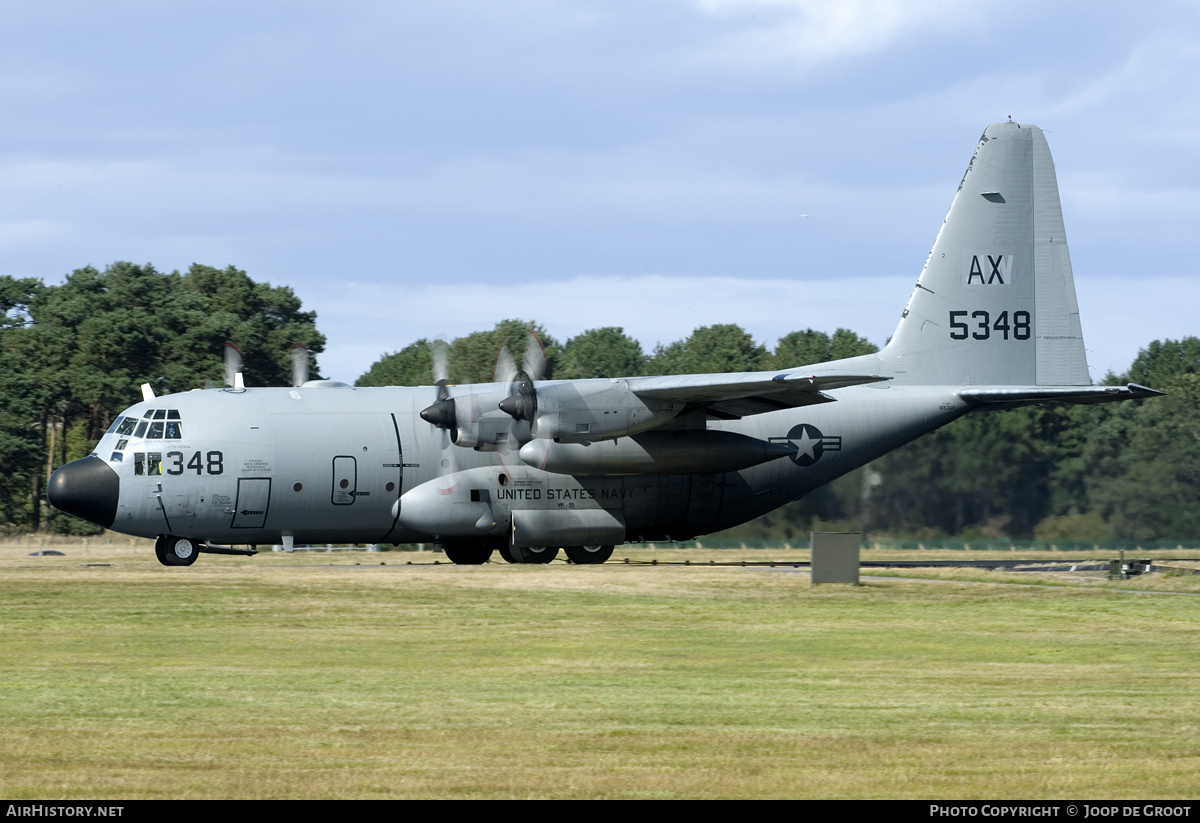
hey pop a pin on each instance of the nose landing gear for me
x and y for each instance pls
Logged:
(176, 551)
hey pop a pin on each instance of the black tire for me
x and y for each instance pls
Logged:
(176, 551)
(588, 555)
(506, 553)
(468, 554)
(160, 549)
(537, 554)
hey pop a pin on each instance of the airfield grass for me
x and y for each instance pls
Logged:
(295, 676)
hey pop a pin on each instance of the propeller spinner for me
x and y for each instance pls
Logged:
(443, 412)
(521, 403)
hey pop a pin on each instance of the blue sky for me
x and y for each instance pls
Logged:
(421, 169)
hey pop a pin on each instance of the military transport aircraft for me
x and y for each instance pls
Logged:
(526, 466)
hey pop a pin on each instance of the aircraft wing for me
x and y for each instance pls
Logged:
(731, 396)
(1029, 395)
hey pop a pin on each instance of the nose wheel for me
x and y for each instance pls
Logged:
(176, 551)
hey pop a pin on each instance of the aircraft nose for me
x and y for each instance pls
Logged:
(86, 488)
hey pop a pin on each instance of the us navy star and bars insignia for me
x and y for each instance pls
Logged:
(809, 443)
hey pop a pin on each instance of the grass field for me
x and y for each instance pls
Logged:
(310, 676)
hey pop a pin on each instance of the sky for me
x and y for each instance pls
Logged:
(427, 169)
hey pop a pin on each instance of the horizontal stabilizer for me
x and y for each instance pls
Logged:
(1031, 395)
(746, 393)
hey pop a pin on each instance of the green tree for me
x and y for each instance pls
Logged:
(472, 359)
(606, 352)
(711, 349)
(411, 366)
(1164, 360)
(809, 347)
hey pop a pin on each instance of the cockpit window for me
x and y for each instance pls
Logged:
(174, 430)
(117, 457)
(121, 444)
(114, 425)
(139, 463)
(154, 463)
(127, 425)
(156, 431)
(172, 414)
(161, 414)
(141, 429)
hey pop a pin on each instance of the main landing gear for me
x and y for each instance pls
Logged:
(587, 555)
(474, 554)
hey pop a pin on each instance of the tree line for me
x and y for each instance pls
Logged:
(75, 354)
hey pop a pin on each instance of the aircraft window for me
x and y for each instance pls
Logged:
(154, 463)
(117, 457)
(121, 444)
(298, 487)
(141, 429)
(174, 431)
(127, 426)
(156, 431)
(161, 414)
(114, 425)
(391, 486)
(139, 463)
(172, 414)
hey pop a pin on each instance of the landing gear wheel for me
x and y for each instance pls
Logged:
(176, 551)
(468, 555)
(539, 554)
(587, 555)
(506, 553)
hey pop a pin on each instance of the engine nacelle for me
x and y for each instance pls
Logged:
(582, 411)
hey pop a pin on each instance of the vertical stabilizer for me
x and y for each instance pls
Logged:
(995, 303)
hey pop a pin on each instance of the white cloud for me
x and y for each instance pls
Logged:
(807, 32)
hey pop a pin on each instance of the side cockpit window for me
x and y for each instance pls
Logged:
(156, 431)
(127, 425)
(114, 425)
(174, 430)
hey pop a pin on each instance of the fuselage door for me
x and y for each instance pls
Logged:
(345, 480)
(250, 511)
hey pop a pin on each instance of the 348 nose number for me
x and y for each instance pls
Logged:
(981, 326)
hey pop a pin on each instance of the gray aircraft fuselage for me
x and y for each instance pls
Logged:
(328, 465)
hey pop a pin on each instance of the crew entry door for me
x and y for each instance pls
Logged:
(253, 497)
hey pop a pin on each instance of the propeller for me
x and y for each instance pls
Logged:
(443, 412)
(299, 364)
(521, 402)
(233, 365)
